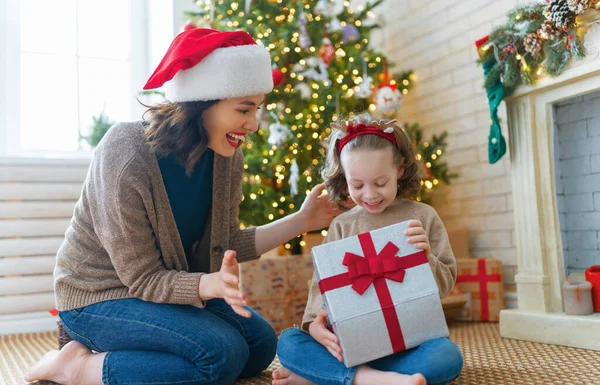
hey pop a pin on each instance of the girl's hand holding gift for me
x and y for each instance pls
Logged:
(319, 331)
(416, 235)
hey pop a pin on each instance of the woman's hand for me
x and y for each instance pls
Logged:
(225, 284)
(416, 235)
(318, 330)
(316, 210)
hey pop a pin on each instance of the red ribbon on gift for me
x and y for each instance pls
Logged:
(374, 269)
(483, 280)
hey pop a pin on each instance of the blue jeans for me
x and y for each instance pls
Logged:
(151, 343)
(440, 360)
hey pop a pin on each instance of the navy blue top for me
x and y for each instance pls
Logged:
(190, 197)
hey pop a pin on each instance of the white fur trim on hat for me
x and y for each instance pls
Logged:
(226, 73)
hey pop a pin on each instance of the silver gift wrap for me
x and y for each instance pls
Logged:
(358, 320)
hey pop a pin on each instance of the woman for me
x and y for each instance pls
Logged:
(147, 276)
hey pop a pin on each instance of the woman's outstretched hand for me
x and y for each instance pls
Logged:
(225, 284)
(317, 211)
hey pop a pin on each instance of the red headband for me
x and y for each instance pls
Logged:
(362, 129)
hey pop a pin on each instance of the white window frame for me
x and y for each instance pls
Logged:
(140, 69)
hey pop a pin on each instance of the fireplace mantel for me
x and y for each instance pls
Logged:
(541, 271)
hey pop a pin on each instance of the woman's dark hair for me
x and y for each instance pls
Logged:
(405, 155)
(177, 128)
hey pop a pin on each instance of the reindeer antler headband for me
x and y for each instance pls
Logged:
(380, 128)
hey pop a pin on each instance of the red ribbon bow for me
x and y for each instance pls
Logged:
(363, 271)
(374, 269)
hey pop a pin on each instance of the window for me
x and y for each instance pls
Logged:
(66, 62)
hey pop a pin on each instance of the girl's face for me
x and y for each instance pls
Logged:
(372, 177)
(229, 121)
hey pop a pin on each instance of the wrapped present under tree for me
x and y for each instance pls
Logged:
(276, 288)
(481, 280)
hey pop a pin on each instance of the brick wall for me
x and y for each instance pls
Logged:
(436, 40)
(577, 162)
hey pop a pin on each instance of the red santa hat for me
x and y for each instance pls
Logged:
(205, 64)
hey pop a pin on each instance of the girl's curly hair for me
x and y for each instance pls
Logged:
(405, 155)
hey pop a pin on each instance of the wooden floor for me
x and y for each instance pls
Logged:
(489, 359)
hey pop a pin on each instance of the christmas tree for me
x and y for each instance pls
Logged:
(323, 70)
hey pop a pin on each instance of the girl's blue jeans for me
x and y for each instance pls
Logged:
(150, 343)
(440, 360)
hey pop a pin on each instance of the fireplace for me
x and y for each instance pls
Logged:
(542, 194)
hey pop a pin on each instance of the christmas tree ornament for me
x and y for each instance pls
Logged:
(387, 98)
(304, 90)
(350, 33)
(533, 44)
(364, 89)
(579, 6)
(327, 52)
(334, 25)
(294, 178)
(558, 11)
(320, 74)
(278, 133)
(549, 31)
(305, 41)
(322, 8)
(278, 77)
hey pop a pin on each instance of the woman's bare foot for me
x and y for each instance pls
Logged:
(282, 376)
(74, 364)
(366, 375)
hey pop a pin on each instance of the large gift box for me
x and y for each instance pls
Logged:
(380, 294)
(481, 280)
(276, 288)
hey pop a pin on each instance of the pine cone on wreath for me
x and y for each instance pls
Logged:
(549, 31)
(558, 11)
(533, 44)
(579, 6)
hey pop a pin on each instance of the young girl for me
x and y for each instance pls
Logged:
(375, 164)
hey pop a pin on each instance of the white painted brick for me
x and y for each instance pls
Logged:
(565, 243)
(572, 130)
(433, 85)
(582, 240)
(468, 73)
(461, 190)
(583, 221)
(474, 172)
(484, 205)
(500, 221)
(454, 60)
(449, 209)
(597, 201)
(461, 10)
(492, 239)
(581, 147)
(560, 203)
(499, 185)
(437, 115)
(593, 126)
(591, 95)
(582, 259)
(491, 12)
(474, 104)
(461, 158)
(578, 203)
(592, 107)
(454, 94)
(574, 166)
(577, 99)
(582, 184)
(467, 139)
